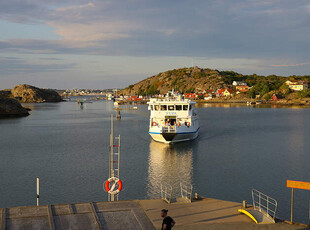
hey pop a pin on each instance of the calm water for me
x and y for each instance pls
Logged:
(239, 148)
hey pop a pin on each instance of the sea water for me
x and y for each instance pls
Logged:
(239, 148)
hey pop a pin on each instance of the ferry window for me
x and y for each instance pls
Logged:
(156, 107)
(170, 107)
(185, 107)
(178, 107)
(190, 107)
(151, 107)
(163, 107)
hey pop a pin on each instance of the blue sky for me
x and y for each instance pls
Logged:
(111, 44)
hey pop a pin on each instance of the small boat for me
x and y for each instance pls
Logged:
(258, 102)
(173, 119)
(250, 102)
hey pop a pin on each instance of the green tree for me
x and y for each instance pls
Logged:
(284, 89)
(141, 91)
(200, 97)
(261, 88)
(267, 96)
(303, 93)
(251, 93)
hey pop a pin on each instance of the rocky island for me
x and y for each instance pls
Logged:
(10, 107)
(209, 85)
(30, 94)
(10, 99)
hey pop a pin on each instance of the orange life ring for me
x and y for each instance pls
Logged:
(188, 124)
(154, 123)
(117, 181)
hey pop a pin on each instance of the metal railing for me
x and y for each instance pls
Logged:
(169, 129)
(264, 203)
(186, 191)
(166, 193)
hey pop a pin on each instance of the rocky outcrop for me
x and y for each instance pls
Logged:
(31, 94)
(11, 108)
(192, 79)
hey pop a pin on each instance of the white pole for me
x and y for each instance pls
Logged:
(38, 191)
(111, 155)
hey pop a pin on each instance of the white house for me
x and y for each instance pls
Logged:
(235, 83)
(297, 85)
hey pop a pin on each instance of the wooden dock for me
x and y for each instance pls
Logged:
(138, 214)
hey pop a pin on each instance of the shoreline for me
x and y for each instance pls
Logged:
(305, 103)
(301, 103)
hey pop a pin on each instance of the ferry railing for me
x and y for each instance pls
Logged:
(166, 193)
(169, 129)
(264, 203)
(186, 191)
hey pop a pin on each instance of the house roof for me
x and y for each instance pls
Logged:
(220, 91)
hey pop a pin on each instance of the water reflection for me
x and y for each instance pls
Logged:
(169, 165)
(42, 106)
(220, 105)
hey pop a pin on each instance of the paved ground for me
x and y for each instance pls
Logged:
(135, 215)
(206, 214)
(83, 216)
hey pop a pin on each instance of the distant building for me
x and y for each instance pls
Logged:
(229, 92)
(242, 88)
(235, 83)
(192, 96)
(220, 92)
(297, 85)
(134, 98)
(207, 96)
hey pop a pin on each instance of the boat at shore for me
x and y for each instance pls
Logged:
(173, 119)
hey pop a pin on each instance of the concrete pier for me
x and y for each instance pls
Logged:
(93, 215)
(206, 214)
(138, 214)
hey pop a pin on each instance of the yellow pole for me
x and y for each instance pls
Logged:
(292, 198)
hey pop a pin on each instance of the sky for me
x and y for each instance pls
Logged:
(103, 44)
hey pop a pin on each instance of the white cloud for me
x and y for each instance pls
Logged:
(291, 65)
(94, 31)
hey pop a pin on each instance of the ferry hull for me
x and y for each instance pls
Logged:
(173, 137)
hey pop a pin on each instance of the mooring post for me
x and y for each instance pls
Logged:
(292, 202)
(38, 192)
(118, 116)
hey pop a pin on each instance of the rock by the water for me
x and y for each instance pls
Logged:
(31, 94)
(12, 108)
(5, 93)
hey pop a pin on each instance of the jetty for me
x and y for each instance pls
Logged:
(205, 213)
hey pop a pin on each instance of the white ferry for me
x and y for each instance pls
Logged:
(173, 119)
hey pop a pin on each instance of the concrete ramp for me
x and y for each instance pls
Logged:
(257, 216)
